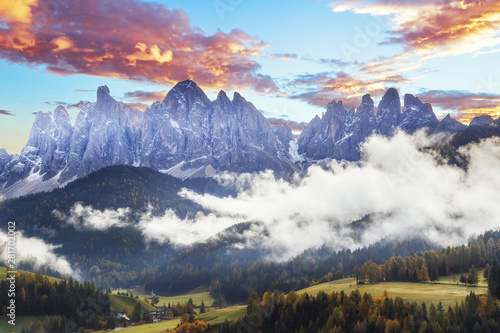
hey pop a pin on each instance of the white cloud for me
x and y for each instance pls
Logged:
(86, 217)
(182, 232)
(408, 191)
(34, 250)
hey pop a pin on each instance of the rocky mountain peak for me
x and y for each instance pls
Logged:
(450, 125)
(417, 115)
(61, 115)
(184, 98)
(223, 102)
(335, 109)
(410, 100)
(107, 105)
(388, 112)
(102, 93)
(222, 96)
(367, 106)
(481, 120)
(237, 98)
(390, 104)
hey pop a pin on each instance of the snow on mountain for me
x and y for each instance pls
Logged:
(338, 133)
(481, 120)
(187, 135)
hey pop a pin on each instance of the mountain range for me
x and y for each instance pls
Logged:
(188, 135)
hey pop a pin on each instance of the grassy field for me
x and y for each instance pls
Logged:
(119, 303)
(453, 279)
(219, 316)
(21, 322)
(160, 327)
(198, 295)
(212, 318)
(3, 272)
(418, 292)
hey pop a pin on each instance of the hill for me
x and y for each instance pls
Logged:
(197, 295)
(448, 294)
(3, 272)
(120, 302)
(115, 251)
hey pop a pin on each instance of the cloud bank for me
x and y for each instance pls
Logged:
(434, 28)
(468, 105)
(154, 43)
(406, 190)
(35, 251)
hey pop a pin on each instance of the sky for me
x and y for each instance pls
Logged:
(289, 58)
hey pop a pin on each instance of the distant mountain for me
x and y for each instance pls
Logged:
(187, 135)
(450, 125)
(450, 148)
(338, 133)
(482, 120)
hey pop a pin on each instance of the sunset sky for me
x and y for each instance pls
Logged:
(290, 58)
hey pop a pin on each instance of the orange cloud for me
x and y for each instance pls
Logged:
(145, 96)
(295, 126)
(18, 11)
(136, 105)
(129, 39)
(435, 28)
(320, 89)
(62, 43)
(463, 104)
(149, 53)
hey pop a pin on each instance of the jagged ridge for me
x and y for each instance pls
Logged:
(187, 135)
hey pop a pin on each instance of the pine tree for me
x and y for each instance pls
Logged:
(473, 278)
(136, 313)
(220, 302)
(203, 309)
(434, 274)
(494, 279)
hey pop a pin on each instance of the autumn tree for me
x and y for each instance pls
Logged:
(197, 327)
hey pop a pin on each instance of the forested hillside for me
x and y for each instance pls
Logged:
(119, 253)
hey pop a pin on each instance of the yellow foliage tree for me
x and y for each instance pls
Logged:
(197, 327)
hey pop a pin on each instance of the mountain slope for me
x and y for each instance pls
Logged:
(450, 148)
(115, 250)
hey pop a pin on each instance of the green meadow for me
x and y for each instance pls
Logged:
(448, 294)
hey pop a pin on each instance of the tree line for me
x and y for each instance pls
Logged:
(338, 312)
(241, 271)
(69, 304)
(432, 264)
